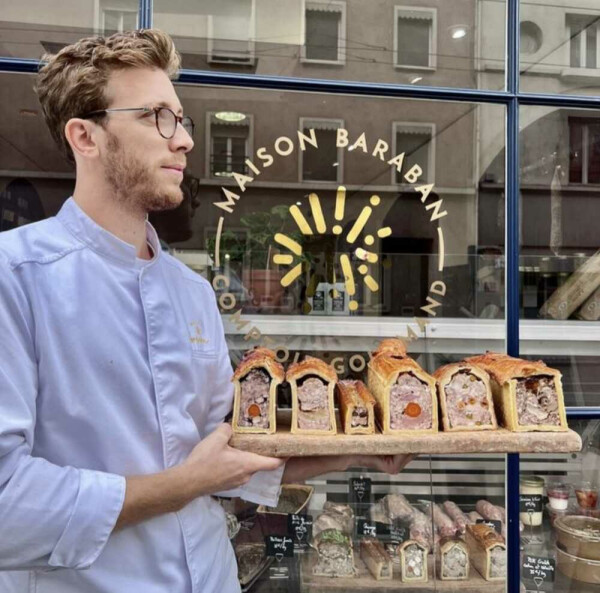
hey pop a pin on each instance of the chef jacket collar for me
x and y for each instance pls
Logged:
(101, 240)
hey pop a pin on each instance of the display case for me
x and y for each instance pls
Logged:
(370, 170)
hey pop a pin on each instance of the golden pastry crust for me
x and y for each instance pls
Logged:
(382, 373)
(503, 368)
(485, 536)
(505, 371)
(444, 375)
(350, 395)
(311, 366)
(394, 347)
(264, 359)
(376, 558)
(259, 358)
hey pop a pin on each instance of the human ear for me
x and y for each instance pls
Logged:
(81, 136)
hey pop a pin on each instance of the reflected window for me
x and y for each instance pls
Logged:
(323, 163)
(416, 141)
(325, 25)
(584, 150)
(415, 38)
(118, 20)
(231, 37)
(229, 140)
(583, 40)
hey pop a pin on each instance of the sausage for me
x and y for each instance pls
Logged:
(489, 511)
(454, 512)
(446, 526)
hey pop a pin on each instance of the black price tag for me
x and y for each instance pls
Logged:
(279, 546)
(300, 528)
(392, 533)
(360, 490)
(365, 529)
(537, 572)
(495, 525)
(530, 503)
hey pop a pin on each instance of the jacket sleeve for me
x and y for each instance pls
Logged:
(50, 516)
(263, 487)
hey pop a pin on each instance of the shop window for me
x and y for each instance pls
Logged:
(229, 139)
(584, 49)
(118, 20)
(417, 142)
(325, 26)
(584, 150)
(324, 163)
(231, 39)
(414, 37)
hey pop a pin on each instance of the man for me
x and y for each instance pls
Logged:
(114, 371)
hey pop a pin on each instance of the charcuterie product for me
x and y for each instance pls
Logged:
(255, 392)
(335, 555)
(357, 407)
(465, 398)
(453, 560)
(405, 394)
(413, 562)
(312, 383)
(375, 557)
(527, 394)
(454, 512)
(487, 551)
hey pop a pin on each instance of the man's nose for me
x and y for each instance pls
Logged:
(181, 140)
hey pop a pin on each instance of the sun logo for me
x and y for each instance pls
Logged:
(361, 253)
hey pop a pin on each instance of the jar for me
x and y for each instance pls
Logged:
(558, 495)
(532, 485)
(587, 495)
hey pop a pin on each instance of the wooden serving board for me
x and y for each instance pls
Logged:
(285, 444)
(365, 582)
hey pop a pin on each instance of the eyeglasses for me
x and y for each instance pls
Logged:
(166, 119)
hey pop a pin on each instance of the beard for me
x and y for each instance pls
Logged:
(134, 184)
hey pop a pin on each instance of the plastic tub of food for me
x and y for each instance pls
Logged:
(576, 568)
(587, 495)
(579, 536)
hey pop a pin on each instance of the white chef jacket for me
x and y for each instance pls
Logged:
(110, 366)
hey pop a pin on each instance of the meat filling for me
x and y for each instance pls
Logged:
(360, 417)
(335, 555)
(410, 404)
(254, 400)
(414, 559)
(498, 562)
(466, 401)
(537, 401)
(313, 410)
(454, 563)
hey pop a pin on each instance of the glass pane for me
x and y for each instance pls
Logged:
(559, 46)
(567, 487)
(322, 38)
(30, 29)
(413, 42)
(559, 242)
(320, 163)
(451, 44)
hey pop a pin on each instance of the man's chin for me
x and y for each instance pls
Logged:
(167, 201)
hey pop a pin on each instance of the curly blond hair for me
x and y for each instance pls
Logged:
(73, 81)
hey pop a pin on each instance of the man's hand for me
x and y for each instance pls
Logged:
(214, 466)
(299, 469)
(389, 464)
